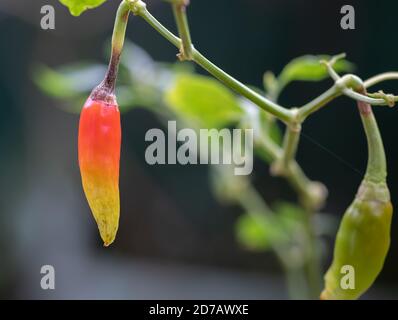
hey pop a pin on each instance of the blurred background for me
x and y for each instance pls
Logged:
(175, 239)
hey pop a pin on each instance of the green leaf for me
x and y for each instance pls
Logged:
(73, 83)
(203, 101)
(77, 7)
(309, 68)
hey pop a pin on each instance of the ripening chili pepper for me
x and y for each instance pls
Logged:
(363, 238)
(100, 141)
(99, 155)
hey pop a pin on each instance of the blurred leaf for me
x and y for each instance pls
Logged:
(270, 83)
(256, 235)
(77, 7)
(141, 81)
(182, 67)
(290, 215)
(309, 68)
(259, 232)
(204, 100)
(73, 105)
(284, 228)
(225, 184)
(68, 81)
(73, 84)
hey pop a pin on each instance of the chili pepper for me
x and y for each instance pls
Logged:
(363, 238)
(99, 155)
(100, 141)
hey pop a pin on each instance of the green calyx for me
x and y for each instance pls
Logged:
(372, 191)
(377, 168)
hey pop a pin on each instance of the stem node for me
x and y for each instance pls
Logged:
(180, 15)
(136, 6)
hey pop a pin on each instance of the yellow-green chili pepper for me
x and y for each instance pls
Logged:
(363, 238)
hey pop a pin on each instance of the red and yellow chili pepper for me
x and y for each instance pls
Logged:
(100, 141)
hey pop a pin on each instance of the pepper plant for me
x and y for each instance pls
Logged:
(174, 92)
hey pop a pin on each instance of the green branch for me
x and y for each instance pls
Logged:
(344, 85)
(290, 143)
(347, 85)
(139, 8)
(281, 113)
(380, 78)
(319, 102)
(311, 194)
(180, 15)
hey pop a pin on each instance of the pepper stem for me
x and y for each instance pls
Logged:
(105, 91)
(376, 170)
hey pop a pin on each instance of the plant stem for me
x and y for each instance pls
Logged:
(377, 168)
(296, 283)
(290, 144)
(281, 113)
(344, 85)
(362, 98)
(105, 90)
(311, 194)
(138, 7)
(312, 266)
(118, 36)
(318, 102)
(180, 14)
(119, 29)
(376, 171)
(256, 207)
(380, 78)
(304, 281)
(285, 115)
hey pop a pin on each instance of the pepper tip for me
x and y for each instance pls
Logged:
(108, 242)
(324, 295)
